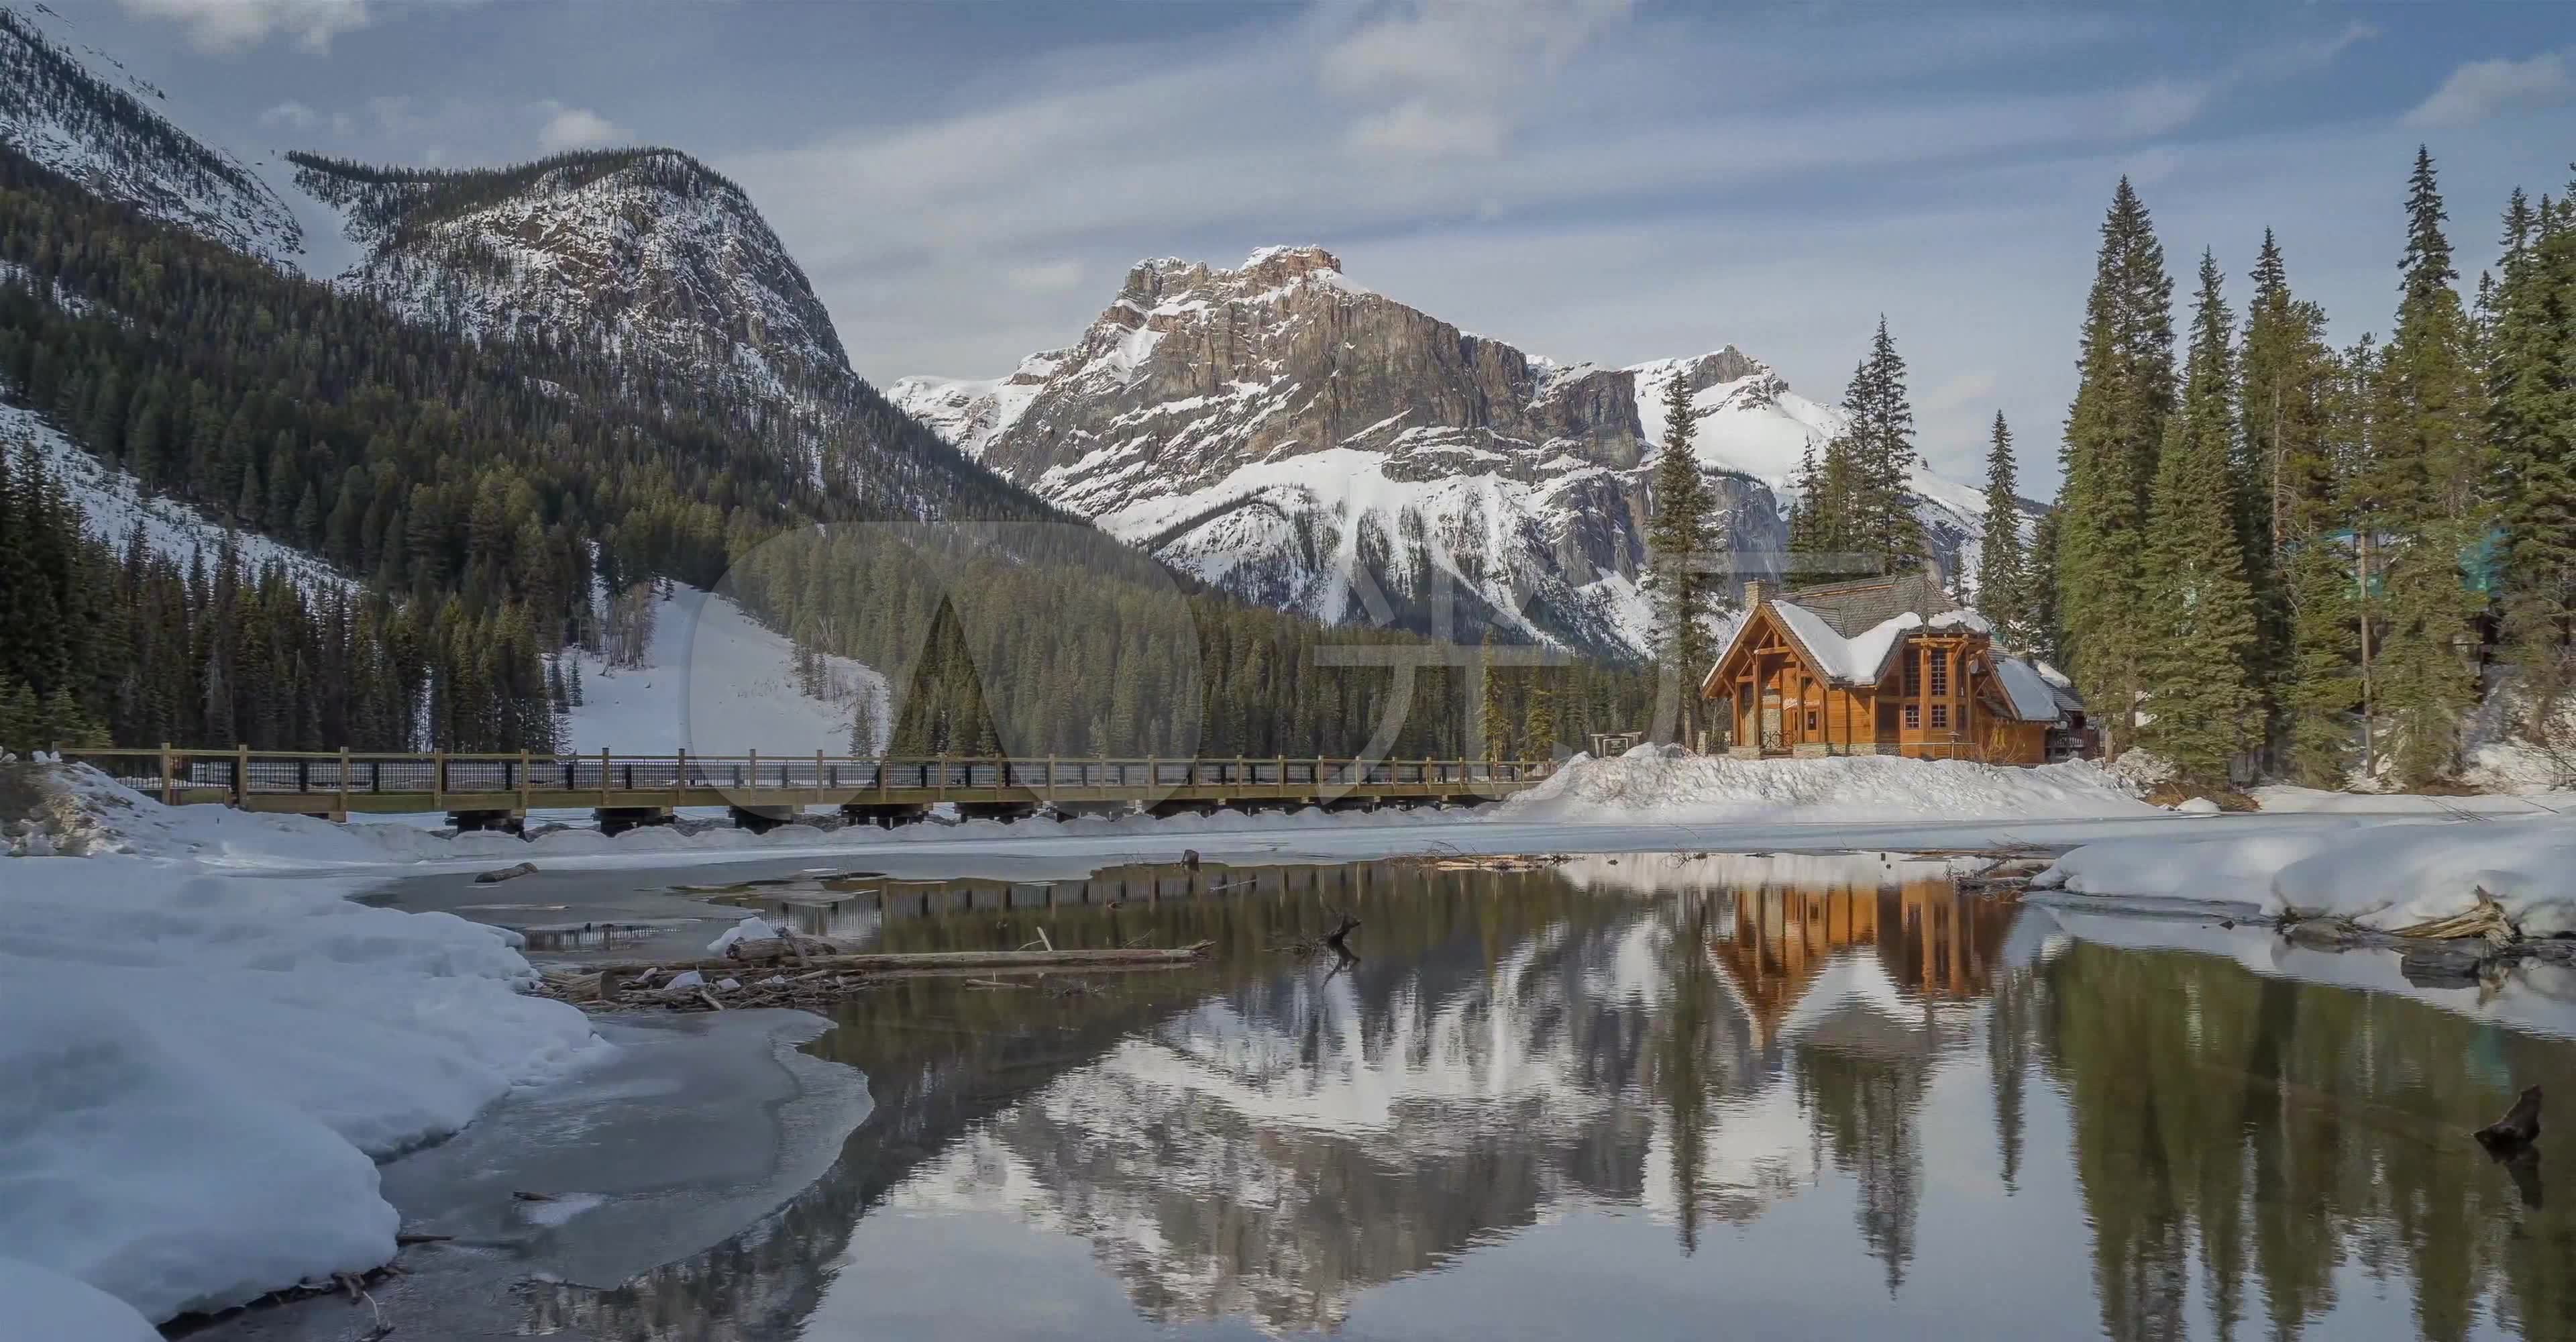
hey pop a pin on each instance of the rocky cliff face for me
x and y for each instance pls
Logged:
(74, 109)
(1296, 438)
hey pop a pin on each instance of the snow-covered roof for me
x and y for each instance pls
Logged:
(1860, 659)
(2033, 699)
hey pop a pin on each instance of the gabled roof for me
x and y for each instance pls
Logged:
(1852, 608)
(1861, 660)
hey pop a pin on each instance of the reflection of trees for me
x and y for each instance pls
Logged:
(2260, 1131)
(1257, 1138)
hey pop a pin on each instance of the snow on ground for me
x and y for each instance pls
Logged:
(2387, 876)
(51, 1305)
(114, 503)
(717, 682)
(1707, 789)
(201, 1069)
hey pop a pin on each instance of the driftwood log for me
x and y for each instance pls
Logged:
(1339, 937)
(2519, 1127)
(506, 873)
(882, 962)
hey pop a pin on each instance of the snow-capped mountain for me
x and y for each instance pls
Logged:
(1293, 437)
(641, 250)
(648, 262)
(76, 110)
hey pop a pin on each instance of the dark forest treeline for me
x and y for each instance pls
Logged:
(481, 498)
(134, 647)
(2307, 561)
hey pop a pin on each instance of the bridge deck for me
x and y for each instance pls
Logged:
(340, 782)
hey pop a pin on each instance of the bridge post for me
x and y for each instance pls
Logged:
(523, 784)
(603, 775)
(438, 780)
(755, 770)
(169, 778)
(818, 777)
(241, 775)
(344, 784)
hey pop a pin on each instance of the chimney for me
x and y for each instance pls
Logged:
(1756, 592)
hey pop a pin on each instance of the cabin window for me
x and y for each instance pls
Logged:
(1913, 675)
(1940, 715)
(1940, 680)
(1811, 719)
(1913, 716)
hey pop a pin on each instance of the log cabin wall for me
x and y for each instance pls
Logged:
(1940, 698)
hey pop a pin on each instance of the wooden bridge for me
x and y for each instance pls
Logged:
(497, 791)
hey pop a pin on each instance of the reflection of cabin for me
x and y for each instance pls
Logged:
(1933, 942)
(1885, 666)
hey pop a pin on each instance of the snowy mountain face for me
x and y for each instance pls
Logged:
(645, 251)
(1301, 441)
(651, 263)
(75, 110)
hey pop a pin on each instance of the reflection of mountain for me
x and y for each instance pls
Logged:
(1303, 1136)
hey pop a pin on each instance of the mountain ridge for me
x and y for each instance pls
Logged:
(1295, 437)
(102, 131)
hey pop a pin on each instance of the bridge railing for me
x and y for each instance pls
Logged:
(177, 773)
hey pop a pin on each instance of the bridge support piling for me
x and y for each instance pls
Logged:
(506, 822)
(1165, 810)
(885, 815)
(1107, 810)
(762, 819)
(616, 820)
(996, 810)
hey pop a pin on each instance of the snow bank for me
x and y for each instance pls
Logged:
(51, 1305)
(200, 1070)
(1708, 789)
(2382, 876)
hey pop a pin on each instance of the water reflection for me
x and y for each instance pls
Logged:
(1972, 1102)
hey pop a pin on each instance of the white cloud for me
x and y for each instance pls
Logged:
(229, 25)
(575, 128)
(1959, 392)
(2483, 89)
(290, 116)
(1451, 77)
(1047, 278)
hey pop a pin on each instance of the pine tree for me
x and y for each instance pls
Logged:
(1539, 728)
(1681, 544)
(2113, 432)
(2423, 486)
(1496, 722)
(2002, 568)
(2041, 613)
(2531, 420)
(1884, 459)
(2202, 612)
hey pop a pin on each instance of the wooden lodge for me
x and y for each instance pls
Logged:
(1884, 666)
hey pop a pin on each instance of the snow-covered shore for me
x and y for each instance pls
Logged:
(202, 1066)
(2385, 876)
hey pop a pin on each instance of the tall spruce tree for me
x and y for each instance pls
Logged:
(2531, 420)
(1884, 459)
(1683, 576)
(2424, 487)
(2114, 428)
(2201, 610)
(2002, 567)
(2041, 612)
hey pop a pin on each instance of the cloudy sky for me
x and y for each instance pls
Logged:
(1611, 180)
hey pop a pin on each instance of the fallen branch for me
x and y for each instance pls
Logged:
(506, 873)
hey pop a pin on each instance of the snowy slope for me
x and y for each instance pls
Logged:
(1307, 443)
(114, 505)
(75, 109)
(200, 1071)
(719, 683)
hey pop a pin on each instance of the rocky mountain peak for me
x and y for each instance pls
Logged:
(647, 250)
(1291, 436)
